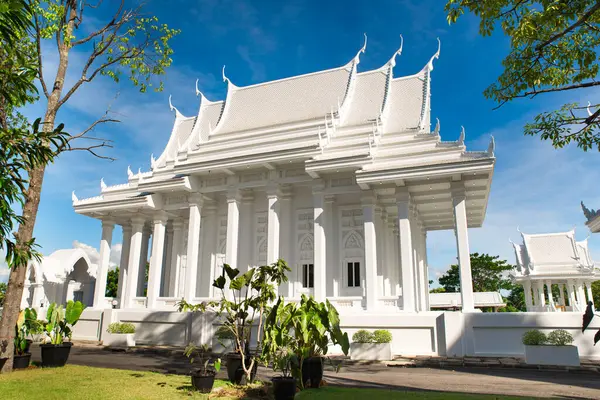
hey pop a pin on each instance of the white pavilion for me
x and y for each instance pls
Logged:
(337, 172)
(550, 259)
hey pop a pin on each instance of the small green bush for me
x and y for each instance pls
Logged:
(121, 328)
(560, 337)
(534, 337)
(362, 336)
(382, 336)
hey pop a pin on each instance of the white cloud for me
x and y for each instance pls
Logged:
(94, 254)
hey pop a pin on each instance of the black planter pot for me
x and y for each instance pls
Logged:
(203, 383)
(312, 372)
(235, 372)
(2, 362)
(21, 362)
(55, 355)
(284, 388)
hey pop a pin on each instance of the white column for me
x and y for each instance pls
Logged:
(246, 257)
(101, 276)
(459, 201)
(550, 298)
(590, 295)
(123, 265)
(167, 257)
(319, 249)
(371, 281)
(571, 296)
(421, 281)
(287, 232)
(334, 272)
(273, 224)
(383, 282)
(193, 247)
(425, 268)
(210, 248)
(581, 296)
(540, 300)
(561, 294)
(133, 267)
(391, 262)
(528, 298)
(405, 249)
(233, 222)
(174, 265)
(156, 261)
(141, 281)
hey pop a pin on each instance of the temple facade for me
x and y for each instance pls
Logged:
(338, 172)
(550, 261)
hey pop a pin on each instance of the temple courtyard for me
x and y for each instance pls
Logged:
(160, 372)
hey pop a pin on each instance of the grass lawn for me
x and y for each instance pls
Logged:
(78, 382)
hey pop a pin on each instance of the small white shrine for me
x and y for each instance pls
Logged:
(550, 259)
(66, 274)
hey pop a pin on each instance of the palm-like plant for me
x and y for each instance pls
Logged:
(61, 321)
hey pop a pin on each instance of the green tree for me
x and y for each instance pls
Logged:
(553, 48)
(112, 283)
(489, 274)
(2, 293)
(596, 294)
(126, 43)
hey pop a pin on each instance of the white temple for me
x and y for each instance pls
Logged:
(550, 259)
(336, 171)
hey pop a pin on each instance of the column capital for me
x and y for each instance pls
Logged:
(138, 222)
(273, 192)
(126, 226)
(196, 199)
(458, 190)
(402, 194)
(178, 224)
(286, 192)
(160, 217)
(329, 199)
(108, 222)
(233, 195)
(318, 186)
(368, 199)
(247, 196)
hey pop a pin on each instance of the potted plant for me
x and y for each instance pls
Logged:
(313, 326)
(27, 325)
(374, 346)
(55, 352)
(120, 334)
(204, 378)
(553, 349)
(244, 303)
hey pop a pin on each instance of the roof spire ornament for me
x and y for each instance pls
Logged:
(435, 56)
(362, 50)
(129, 172)
(152, 161)
(589, 214)
(588, 109)
(491, 147)
(436, 131)
(102, 184)
(392, 62)
(197, 90)
(461, 138)
(74, 198)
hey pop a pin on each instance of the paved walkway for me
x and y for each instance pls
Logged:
(521, 382)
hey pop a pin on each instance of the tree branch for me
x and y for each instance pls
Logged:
(559, 89)
(580, 21)
(38, 40)
(104, 29)
(92, 150)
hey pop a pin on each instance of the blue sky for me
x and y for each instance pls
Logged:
(535, 187)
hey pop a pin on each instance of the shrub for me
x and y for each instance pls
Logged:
(560, 337)
(382, 336)
(362, 336)
(534, 337)
(121, 328)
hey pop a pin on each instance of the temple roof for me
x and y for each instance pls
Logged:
(593, 218)
(552, 254)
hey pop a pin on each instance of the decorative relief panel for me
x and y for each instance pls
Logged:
(305, 235)
(180, 199)
(222, 242)
(261, 238)
(336, 182)
(352, 233)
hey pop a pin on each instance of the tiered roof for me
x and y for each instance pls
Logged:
(592, 218)
(549, 255)
(369, 124)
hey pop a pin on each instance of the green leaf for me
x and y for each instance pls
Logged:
(231, 272)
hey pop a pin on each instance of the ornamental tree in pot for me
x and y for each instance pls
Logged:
(120, 334)
(203, 379)
(313, 327)
(27, 326)
(373, 346)
(552, 349)
(244, 302)
(55, 351)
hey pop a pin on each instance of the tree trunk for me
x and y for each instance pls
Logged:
(16, 280)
